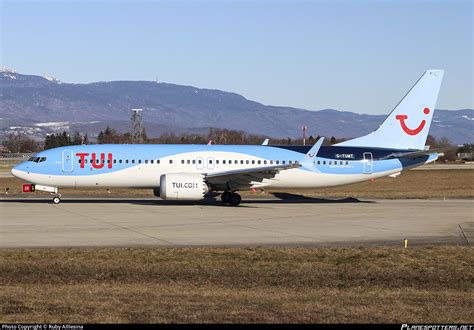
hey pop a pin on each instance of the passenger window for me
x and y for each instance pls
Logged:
(277, 162)
(120, 161)
(146, 161)
(283, 162)
(223, 161)
(264, 161)
(210, 161)
(253, 162)
(157, 161)
(182, 161)
(199, 161)
(139, 161)
(290, 162)
(347, 162)
(171, 161)
(319, 162)
(115, 161)
(188, 161)
(217, 161)
(259, 162)
(152, 161)
(271, 162)
(330, 162)
(241, 161)
(133, 161)
(108, 161)
(247, 162)
(194, 161)
(126, 161)
(324, 162)
(79, 161)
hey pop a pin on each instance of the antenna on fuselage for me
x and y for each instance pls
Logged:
(137, 126)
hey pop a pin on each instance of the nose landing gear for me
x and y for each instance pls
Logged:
(57, 199)
(231, 198)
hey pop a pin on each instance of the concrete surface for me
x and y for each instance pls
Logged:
(295, 220)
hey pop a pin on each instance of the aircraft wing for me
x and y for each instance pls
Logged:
(246, 177)
(418, 153)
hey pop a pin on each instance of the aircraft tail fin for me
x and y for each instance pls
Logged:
(407, 126)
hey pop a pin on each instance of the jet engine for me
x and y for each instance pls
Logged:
(183, 186)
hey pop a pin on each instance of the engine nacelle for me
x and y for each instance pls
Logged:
(183, 186)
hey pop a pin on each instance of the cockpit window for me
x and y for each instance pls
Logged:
(37, 159)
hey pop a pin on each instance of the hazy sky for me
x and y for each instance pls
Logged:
(359, 56)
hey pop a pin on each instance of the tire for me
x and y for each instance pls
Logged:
(235, 199)
(56, 200)
(225, 196)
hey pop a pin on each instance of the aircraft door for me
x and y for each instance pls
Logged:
(368, 162)
(67, 161)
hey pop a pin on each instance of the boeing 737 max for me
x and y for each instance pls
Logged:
(192, 172)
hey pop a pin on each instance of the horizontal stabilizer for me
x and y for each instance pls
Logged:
(418, 153)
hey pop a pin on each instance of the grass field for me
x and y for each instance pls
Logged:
(410, 184)
(418, 285)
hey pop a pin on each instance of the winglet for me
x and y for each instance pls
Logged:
(313, 152)
(265, 142)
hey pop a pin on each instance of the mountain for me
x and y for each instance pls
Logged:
(39, 105)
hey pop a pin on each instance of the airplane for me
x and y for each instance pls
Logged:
(194, 172)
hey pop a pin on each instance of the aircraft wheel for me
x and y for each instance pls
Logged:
(225, 196)
(235, 199)
(56, 199)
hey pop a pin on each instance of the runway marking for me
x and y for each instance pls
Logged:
(464, 235)
(118, 226)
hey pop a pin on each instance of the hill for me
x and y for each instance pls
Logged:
(38, 105)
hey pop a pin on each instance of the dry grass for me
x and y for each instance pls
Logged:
(410, 184)
(419, 285)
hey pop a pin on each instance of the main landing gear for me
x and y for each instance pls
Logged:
(231, 198)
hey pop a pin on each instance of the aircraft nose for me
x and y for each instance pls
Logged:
(18, 173)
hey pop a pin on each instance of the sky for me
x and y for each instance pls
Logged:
(360, 56)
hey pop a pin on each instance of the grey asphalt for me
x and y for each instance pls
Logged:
(292, 220)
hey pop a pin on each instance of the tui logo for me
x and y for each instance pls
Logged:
(94, 160)
(408, 130)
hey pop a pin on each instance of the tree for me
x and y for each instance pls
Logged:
(57, 140)
(78, 139)
(110, 135)
(19, 142)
